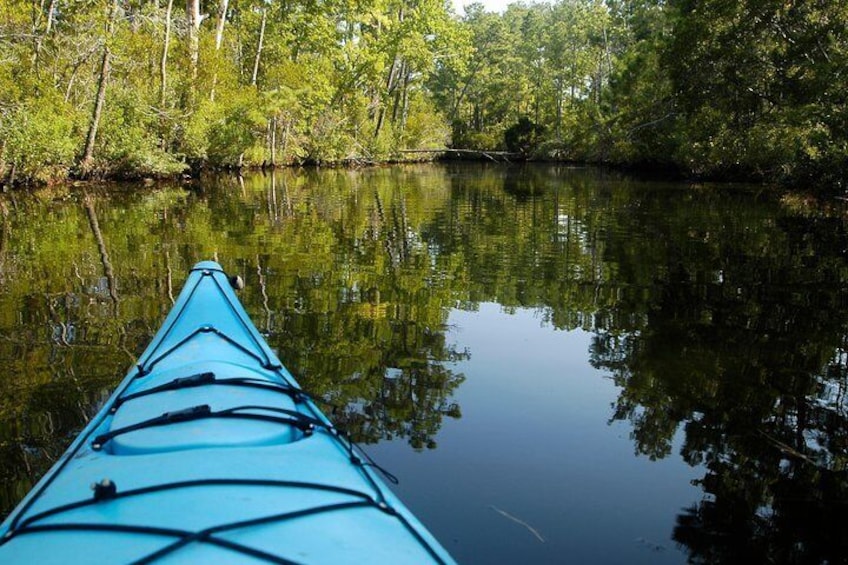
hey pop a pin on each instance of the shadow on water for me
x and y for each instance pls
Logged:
(716, 311)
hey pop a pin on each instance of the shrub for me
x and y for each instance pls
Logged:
(523, 136)
(39, 141)
(425, 128)
(225, 132)
(127, 144)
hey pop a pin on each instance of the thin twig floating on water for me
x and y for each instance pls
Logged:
(506, 514)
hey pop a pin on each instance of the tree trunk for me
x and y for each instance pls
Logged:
(12, 176)
(94, 124)
(286, 139)
(573, 80)
(559, 104)
(169, 277)
(48, 26)
(396, 99)
(472, 75)
(193, 19)
(76, 67)
(219, 27)
(390, 82)
(2, 160)
(274, 142)
(51, 9)
(219, 40)
(103, 81)
(263, 288)
(405, 108)
(163, 63)
(259, 47)
(381, 116)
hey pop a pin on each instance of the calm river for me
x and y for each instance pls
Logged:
(561, 365)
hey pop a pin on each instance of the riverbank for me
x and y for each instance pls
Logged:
(187, 173)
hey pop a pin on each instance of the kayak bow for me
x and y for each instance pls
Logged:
(210, 452)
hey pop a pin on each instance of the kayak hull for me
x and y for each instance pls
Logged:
(210, 452)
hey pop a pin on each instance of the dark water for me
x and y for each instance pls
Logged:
(561, 365)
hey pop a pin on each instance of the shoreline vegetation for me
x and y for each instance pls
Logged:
(708, 89)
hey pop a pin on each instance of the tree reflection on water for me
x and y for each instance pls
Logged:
(743, 345)
(717, 311)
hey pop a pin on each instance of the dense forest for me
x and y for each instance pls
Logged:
(710, 88)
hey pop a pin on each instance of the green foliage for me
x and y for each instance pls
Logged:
(758, 82)
(194, 136)
(332, 82)
(385, 143)
(425, 125)
(235, 133)
(328, 139)
(523, 136)
(226, 133)
(710, 87)
(38, 142)
(641, 123)
(481, 140)
(128, 146)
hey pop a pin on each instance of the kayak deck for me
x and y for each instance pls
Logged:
(209, 451)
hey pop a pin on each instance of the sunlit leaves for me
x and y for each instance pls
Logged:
(756, 78)
(323, 68)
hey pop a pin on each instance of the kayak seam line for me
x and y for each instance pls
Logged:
(246, 324)
(417, 535)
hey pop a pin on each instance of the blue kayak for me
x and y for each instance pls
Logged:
(210, 452)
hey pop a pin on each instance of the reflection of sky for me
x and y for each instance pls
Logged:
(534, 443)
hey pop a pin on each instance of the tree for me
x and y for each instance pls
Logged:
(100, 99)
(754, 86)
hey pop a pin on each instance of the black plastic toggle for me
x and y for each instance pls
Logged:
(193, 380)
(104, 490)
(187, 414)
